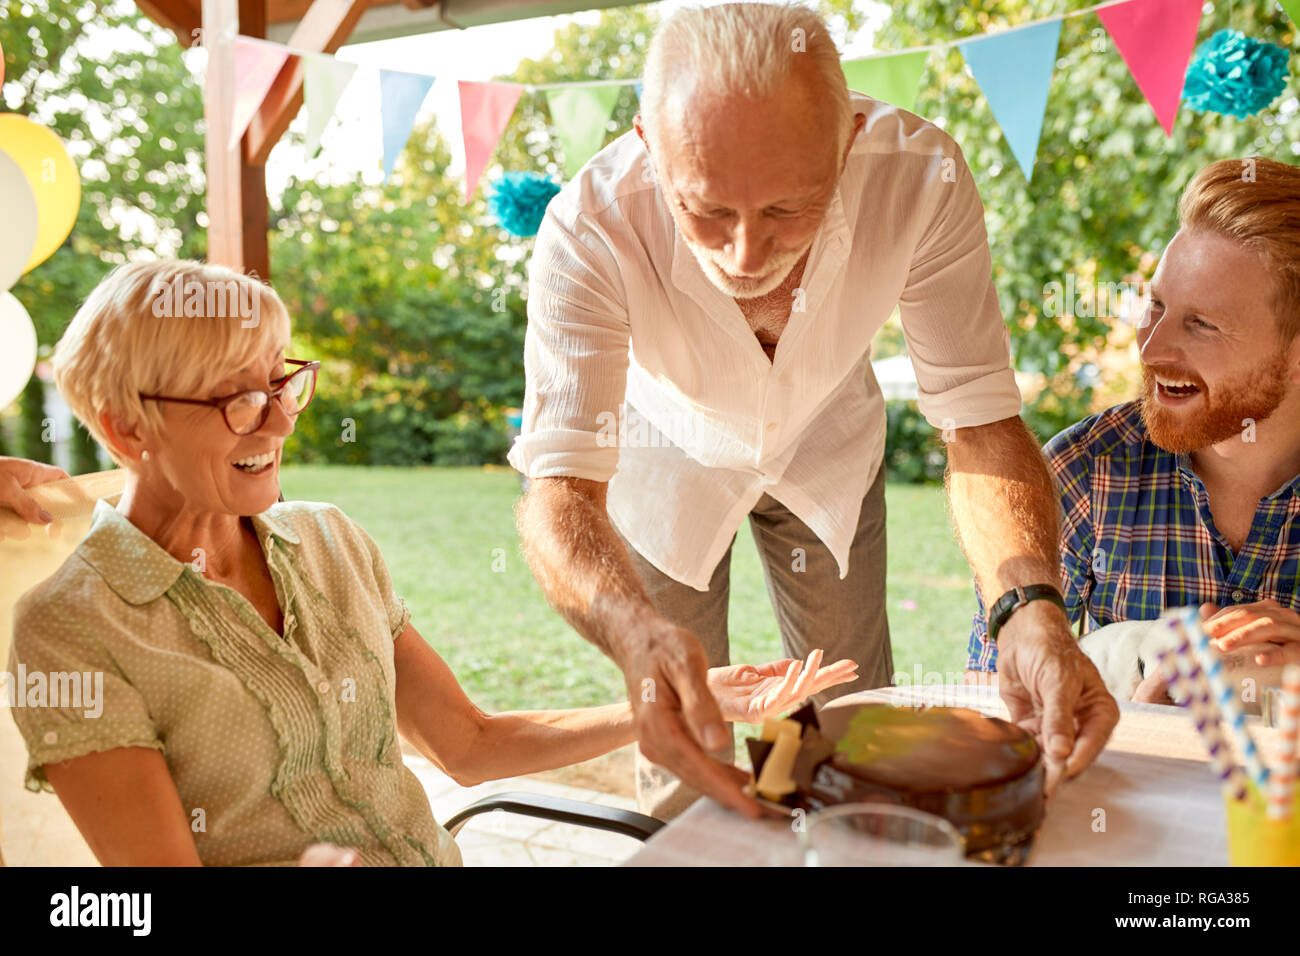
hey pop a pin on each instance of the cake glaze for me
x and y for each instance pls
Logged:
(982, 774)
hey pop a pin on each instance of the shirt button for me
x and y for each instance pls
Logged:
(323, 687)
(51, 738)
(1238, 595)
(771, 426)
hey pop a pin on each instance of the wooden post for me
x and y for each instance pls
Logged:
(238, 217)
(237, 206)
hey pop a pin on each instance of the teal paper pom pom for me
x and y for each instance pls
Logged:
(1235, 74)
(518, 200)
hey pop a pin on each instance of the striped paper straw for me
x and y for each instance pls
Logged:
(1232, 714)
(1281, 783)
(1204, 716)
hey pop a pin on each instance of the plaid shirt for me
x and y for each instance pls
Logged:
(1137, 535)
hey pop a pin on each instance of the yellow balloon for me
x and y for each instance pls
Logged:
(53, 177)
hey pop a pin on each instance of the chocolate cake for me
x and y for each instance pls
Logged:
(981, 774)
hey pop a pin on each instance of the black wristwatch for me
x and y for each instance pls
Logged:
(1017, 598)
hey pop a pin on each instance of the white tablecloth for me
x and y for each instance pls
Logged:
(1148, 800)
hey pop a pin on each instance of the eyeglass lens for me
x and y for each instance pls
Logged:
(247, 413)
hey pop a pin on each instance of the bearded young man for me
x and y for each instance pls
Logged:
(1190, 495)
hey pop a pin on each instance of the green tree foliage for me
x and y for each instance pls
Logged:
(116, 88)
(1103, 199)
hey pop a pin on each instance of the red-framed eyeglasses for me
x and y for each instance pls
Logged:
(246, 412)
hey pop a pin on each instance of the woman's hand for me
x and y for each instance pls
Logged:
(19, 474)
(752, 694)
(327, 854)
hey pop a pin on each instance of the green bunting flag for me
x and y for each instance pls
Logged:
(323, 80)
(580, 114)
(892, 79)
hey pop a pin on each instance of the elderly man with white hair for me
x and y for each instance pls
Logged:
(702, 300)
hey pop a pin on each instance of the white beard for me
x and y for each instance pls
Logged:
(780, 264)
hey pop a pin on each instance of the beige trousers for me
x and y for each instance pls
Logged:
(814, 608)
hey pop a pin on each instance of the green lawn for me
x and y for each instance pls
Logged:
(449, 538)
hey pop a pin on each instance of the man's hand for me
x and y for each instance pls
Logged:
(1053, 690)
(677, 717)
(19, 474)
(1273, 628)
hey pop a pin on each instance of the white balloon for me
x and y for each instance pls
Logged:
(18, 237)
(17, 348)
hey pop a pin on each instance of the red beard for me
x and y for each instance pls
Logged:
(1222, 412)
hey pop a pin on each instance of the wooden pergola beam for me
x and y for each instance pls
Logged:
(180, 16)
(323, 29)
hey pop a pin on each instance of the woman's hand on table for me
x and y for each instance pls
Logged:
(19, 474)
(753, 693)
(1273, 628)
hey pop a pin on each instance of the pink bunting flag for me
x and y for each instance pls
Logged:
(257, 64)
(485, 109)
(1156, 39)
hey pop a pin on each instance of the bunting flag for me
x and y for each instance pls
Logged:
(400, 96)
(1156, 39)
(1014, 71)
(257, 65)
(892, 79)
(485, 108)
(580, 114)
(323, 80)
(638, 82)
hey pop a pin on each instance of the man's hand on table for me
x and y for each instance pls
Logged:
(1053, 690)
(19, 474)
(677, 717)
(1266, 626)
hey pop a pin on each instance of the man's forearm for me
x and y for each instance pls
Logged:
(580, 562)
(1004, 507)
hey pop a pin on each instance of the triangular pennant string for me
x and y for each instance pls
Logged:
(400, 96)
(580, 115)
(1156, 39)
(323, 81)
(256, 67)
(1014, 71)
(485, 109)
(894, 79)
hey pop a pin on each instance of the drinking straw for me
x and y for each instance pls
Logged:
(1232, 714)
(1204, 716)
(1281, 784)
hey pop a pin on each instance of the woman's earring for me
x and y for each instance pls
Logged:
(144, 456)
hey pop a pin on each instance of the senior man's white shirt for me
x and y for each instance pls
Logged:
(642, 373)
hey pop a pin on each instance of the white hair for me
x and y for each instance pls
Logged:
(750, 49)
(122, 343)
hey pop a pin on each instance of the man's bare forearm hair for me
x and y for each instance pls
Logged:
(579, 561)
(1004, 507)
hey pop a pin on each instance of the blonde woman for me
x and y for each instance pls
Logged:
(257, 665)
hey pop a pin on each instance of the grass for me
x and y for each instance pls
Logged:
(449, 538)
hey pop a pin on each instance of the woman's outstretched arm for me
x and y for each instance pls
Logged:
(472, 746)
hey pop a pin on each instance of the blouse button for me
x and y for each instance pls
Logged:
(323, 687)
(51, 737)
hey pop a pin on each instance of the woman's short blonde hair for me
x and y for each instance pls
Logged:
(1256, 202)
(743, 48)
(171, 327)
